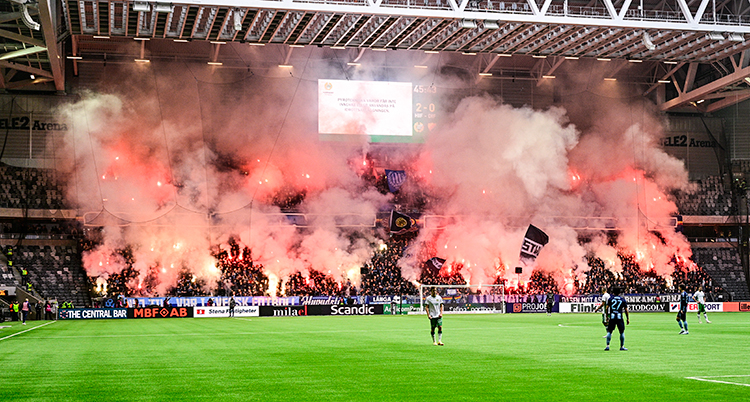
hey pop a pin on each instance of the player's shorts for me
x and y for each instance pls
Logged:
(681, 316)
(616, 322)
(701, 308)
(436, 322)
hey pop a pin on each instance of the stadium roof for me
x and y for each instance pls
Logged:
(689, 50)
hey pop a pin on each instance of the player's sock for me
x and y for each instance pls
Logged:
(433, 335)
(609, 337)
(680, 322)
(686, 330)
(622, 340)
(440, 336)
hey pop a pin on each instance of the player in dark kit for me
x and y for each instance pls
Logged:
(682, 314)
(232, 304)
(615, 309)
(550, 303)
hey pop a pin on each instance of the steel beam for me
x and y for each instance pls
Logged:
(26, 68)
(700, 92)
(690, 21)
(50, 37)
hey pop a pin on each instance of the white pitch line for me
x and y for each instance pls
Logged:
(721, 382)
(19, 333)
(246, 333)
(243, 319)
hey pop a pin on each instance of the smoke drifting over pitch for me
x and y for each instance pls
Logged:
(195, 157)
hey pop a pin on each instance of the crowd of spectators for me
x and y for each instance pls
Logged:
(240, 275)
(188, 285)
(382, 275)
(542, 283)
(632, 279)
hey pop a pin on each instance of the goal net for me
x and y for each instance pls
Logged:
(466, 299)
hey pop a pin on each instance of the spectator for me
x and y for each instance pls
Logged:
(38, 307)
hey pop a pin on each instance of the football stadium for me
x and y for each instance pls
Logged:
(402, 200)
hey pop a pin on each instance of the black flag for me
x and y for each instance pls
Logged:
(533, 242)
(401, 223)
(437, 262)
(434, 265)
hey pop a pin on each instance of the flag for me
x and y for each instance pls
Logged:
(434, 265)
(533, 242)
(437, 262)
(402, 223)
(395, 179)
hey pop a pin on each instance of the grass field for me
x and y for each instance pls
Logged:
(525, 357)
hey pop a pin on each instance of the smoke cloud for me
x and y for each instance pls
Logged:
(195, 157)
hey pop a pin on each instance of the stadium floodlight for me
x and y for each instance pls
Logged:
(163, 7)
(25, 16)
(647, 41)
(736, 37)
(237, 20)
(470, 24)
(491, 25)
(141, 6)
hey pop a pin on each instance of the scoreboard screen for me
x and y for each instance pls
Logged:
(399, 112)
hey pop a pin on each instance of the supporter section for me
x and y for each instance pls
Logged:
(53, 262)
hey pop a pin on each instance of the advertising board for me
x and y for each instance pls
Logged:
(693, 307)
(632, 307)
(239, 311)
(304, 310)
(160, 312)
(92, 314)
(530, 308)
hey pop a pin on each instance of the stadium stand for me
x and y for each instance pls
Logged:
(55, 268)
(6, 276)
(29, 188)
(707, 198)
(55, 272)
(723, 264)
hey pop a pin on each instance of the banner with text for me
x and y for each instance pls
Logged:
(325, 309)
(632, 307)
(160, 312)
(530, 308)
(91, 313)
(693, 307)
(239, 311)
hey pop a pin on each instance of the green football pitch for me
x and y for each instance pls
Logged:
(526, 357)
